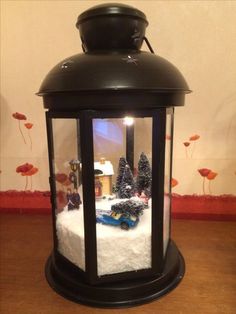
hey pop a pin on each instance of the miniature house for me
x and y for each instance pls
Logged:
(105, 170)
(114, 251)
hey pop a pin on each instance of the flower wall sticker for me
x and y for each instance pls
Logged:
(63, 179)
(204, 173)
(186, 144)
(193, 139)
(29, 126)
(65, 182)
(19, 116)
(207, 174)
(211, 176)
(174, 182)
(27, 170)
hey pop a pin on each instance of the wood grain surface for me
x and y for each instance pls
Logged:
(209, 285)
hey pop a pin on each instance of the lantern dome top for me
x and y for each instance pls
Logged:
(113, 73)
(111, 9)
(112, 26)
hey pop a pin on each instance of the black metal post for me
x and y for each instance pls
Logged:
(52, 176)
(158, 165)
(79, 171)
(130, 146)
(86, 133)
(171, 112)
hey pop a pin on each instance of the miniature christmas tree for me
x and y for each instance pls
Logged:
(129, 208)
(144, 177)
(127, 184)
(120, 172)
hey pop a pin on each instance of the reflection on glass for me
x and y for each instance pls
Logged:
(69, 196)
(122, 181)
(167, 191)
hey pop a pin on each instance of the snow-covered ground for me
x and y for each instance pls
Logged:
(118, 250)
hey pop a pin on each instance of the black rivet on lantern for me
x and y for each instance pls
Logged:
(110, 137)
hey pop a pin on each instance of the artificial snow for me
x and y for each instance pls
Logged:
(118, 250)
(70, 233)
(106, 167)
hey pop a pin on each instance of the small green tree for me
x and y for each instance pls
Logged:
(128, 208)
(144, 177)
(120, 172)
(127, 184)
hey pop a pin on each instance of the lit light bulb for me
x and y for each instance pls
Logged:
(128, 121)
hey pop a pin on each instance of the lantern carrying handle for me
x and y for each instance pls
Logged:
(144, 38)
(83, 48)
(148, 44)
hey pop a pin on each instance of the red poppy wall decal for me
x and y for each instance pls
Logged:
(24, 168)
(193, 139)
(20, 116)
(174, 182)
(29, 126)
(210, 175)
(204, 173)
(27, 170)
(30, 172)
(63, 179)
(67, 182)
(186, 144)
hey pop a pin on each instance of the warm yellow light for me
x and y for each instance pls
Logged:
(128, 121)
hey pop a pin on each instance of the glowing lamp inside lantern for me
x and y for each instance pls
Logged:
(128, 121)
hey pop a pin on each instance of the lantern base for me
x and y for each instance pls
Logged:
(122, 294)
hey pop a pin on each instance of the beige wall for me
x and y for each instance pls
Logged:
(197, 36)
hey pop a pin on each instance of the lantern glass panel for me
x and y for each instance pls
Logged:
(167, 181)
(68, 190)
(122, 174)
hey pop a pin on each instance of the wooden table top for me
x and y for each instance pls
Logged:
(209, 285)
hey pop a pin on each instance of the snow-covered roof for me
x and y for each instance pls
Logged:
(106, 167)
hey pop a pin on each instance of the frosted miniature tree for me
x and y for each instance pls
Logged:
(127, 184)
(120, 172)
(144, 177)
(129, 207)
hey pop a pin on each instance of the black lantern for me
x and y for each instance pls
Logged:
(110, 133)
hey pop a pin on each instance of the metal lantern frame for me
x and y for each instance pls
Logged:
(78, 88)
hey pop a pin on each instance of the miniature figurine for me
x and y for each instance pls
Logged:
(104, 169)
(73, 199)
(98, 187)
(74, 165)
